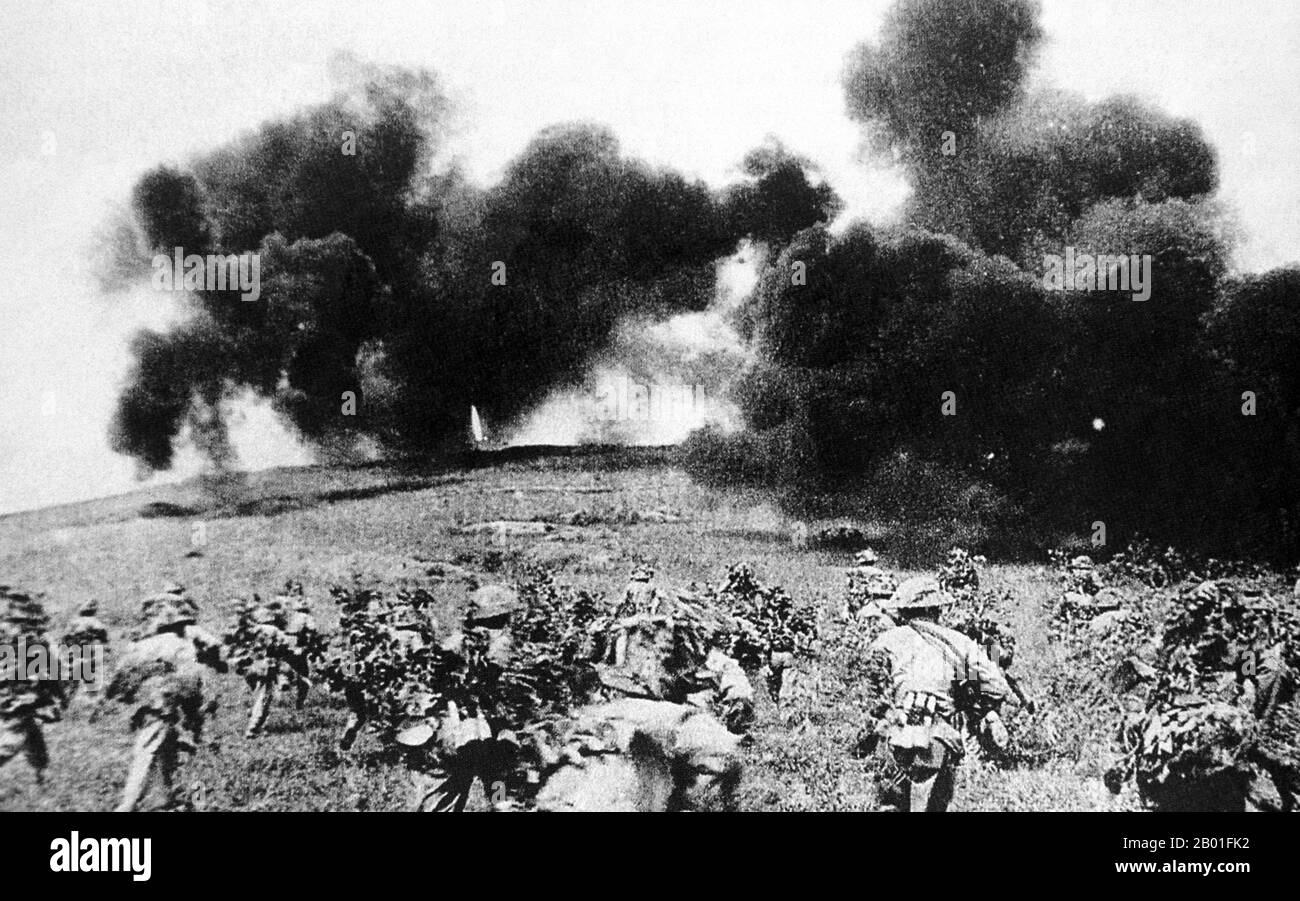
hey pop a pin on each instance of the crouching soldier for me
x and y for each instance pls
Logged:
(926, 676)
(162, 674)
(459, 744)
(868, 586)
(658, 741)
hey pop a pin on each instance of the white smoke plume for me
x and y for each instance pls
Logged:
(659, 382)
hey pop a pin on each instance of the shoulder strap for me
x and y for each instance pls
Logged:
(934, 638)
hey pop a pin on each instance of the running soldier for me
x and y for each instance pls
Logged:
(162, 674)
(306, 639)
(926, 676)
(86, 632)
(36, 698)
(264, 659)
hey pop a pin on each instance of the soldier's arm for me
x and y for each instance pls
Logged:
(209, 648)
(986, 675)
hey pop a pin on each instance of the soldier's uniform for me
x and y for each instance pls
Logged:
(931, 674)
(1085, 592)
(639, 596)
(85, 631)
(374, 614)
(25, 704)
(304, 632)
(162, 673)
(269, 653)
(868, 587)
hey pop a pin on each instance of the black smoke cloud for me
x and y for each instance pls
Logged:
(1003, 169)
(387, 274)
(1071, 407)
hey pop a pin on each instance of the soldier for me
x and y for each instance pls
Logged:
(25, 703)
(409, 627)
(1086, 592)
(86, 628)
(926, 675)
(162, 673)
(362, 619)
(869, 586)
(264, 661)
(655, 743)
(456, 746)
(640, 595)
(85, 632)
(1208, 738)
(305, 635)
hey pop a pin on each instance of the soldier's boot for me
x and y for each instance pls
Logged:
(167, 762)
(301, 699)
(931, 782)
(149, 740)
(261, 709)
(931, 792)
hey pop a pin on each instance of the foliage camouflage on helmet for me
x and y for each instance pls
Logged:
(919, 593)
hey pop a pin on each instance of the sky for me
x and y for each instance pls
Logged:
(94, 93)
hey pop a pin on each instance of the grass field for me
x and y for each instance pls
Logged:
(321, 524)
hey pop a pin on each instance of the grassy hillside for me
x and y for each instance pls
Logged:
(321, 524)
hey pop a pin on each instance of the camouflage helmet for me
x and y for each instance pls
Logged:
(300, 603)
(642, 574)
(918, 593)
(89, 608)
(1082, 562)
(270, 613)
(492, 603)
(165, 610)
(866, 557)
(293, 588)
(173, 588)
